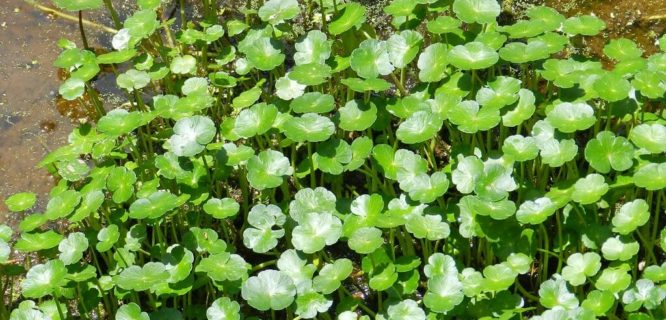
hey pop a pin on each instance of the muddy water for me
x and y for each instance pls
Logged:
(642, 21)
(30, 122)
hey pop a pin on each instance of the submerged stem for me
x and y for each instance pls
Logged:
(83, 32)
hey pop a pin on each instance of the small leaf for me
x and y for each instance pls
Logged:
(277, 11)
(223, 309)
(131, 311)
(351, 15)
(371, 59)
(21, 201)
(432, 63)
(472, 55)
(72, 248)
(309, 127)
(479, 11)
(651, 137)
(191, 135)
(357, 115)
(607, 151)
(221, 208)
(366, 240)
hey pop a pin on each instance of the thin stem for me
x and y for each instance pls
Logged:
(83, 33)
(313, 178)
(71, 17)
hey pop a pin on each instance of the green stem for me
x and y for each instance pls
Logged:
(58, 306)
(114, 14)
(313, 178)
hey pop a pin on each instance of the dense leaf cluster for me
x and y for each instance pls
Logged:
(452, 168)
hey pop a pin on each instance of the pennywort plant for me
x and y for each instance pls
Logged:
(286, 160)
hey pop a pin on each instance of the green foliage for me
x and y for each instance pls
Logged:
(290, 161)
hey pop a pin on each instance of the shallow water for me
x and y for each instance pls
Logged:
(31, 122)
(642, 21)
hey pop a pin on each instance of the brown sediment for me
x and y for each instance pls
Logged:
(636, 20)
(31, 124)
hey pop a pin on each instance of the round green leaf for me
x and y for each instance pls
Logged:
(310, 74)
(107, 237)
(315, 231)
(432, 63)
(570, 117)
(419, 127)
(72, 88)
(523, 110)
(631, 216)
(255, 120)
(584, 25)
(477, 11)
(277, 11)
(519, 148)
(581, 266)
(616, 249)
(612, 87)
(499, 93)
(21, 201)
(313, 102)
(142, 23)
(622, 49)
(651, 176)
(133, 79)
(183, 65)
(613, 279)
(589, 189)
(314, 48)
(332, 155)
(371, 59)
(535, 211)
(44, 279)
(131, 311)
(261, 51)
(142, 278)
(72, 248)
(444, 24)
(444, 293)
(366, 240)
(309, 127)
(119, 122)
(357, 115)
(270, 289)
(363, 85)
(651, 137)
(190, 135)
(223, 309)
(520, 53)
(470, 118)
(309, 304)
(224, 267)
(266, 170)
(331, 275)
(472, 56)
(548, 17)
(403, 47)
(607, 151)
(352, 14)
(308, 201)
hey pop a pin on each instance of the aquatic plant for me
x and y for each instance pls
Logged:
(449, 168)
